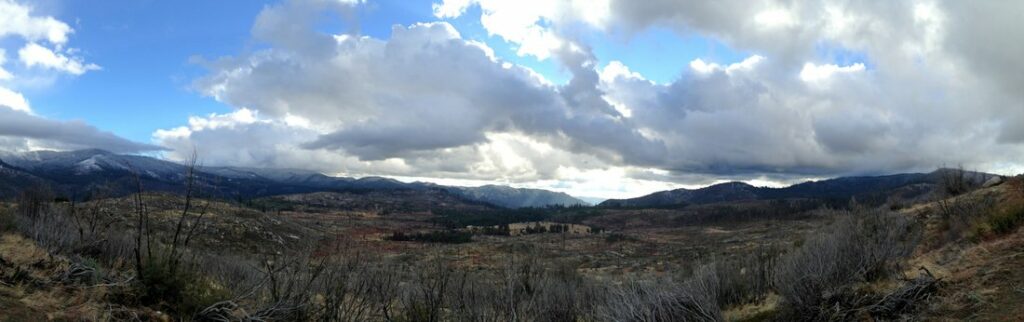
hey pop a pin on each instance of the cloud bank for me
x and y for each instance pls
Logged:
(832, 88)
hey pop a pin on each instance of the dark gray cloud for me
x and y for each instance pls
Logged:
(24, 130)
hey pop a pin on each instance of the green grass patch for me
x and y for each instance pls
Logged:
(1000, 222)
(183, 291)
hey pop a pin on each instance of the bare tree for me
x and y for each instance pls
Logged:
(141, 227)
(191, 191)
(955, 181)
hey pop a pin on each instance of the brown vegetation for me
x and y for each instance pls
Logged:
(200, 259)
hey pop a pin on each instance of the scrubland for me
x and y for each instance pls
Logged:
(345, 257)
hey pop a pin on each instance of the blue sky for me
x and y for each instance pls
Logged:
(145, 48)
(760, 91)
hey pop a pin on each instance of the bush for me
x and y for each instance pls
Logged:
(183, 291)
(446, 236)
(694, 299)
(7, 222)
(745, 279)
(618, 237)
(862, 246)
(499, 230)
(999, 222)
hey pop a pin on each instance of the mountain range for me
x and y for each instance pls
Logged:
(78, 174)
(864, 188)
(84, 172)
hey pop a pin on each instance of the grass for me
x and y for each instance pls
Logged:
(184, 291)
(1001, 221)
(479, 279)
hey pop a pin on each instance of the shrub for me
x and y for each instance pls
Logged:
(999, 222)
(7, 222)
(664, 299)
(745, 279)
(446, 236)
(183, 290)
(859, 247)
(35, 200)
(499, 230)
(618, 237)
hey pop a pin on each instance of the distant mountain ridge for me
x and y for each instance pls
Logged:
(843, 188)
(509, 197)
(79, 172)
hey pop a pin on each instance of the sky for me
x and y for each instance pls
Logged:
(596, 98)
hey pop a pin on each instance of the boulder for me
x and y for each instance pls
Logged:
(995, 181)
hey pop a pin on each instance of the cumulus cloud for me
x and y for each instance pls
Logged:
(13, 100)
(910, 99)
(17, 20)
(423, 90)
(914, 85)
(34, 55)
(45, 41)
(529, 25)
(45, 47)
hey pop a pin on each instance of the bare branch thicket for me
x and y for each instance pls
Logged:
(955, 182)
(952, 183)
(475, 299)
(51, 228)
(530, 291)
(959, 213)
(663, 299)
(93, 222)
(35, 201)
(299, 287)
(859, 247)
(906, 298)
(746, 278)
(425, 297)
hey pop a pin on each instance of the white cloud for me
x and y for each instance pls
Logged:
(775, 18)
(427, 103)
(4, 74)
(701, 67)
(35, 55)
(45, 40)
(13, 100)
(451, 8)
(812, 73)
(17, 20)
(531, 25)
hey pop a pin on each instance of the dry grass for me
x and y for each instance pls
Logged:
(325, 272)
(763, 310)
(985, 282)
(32, 287)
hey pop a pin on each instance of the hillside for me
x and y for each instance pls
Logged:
(873, 189)
(375, 253)
(78, 173)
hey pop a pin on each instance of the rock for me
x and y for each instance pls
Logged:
(995, 181)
